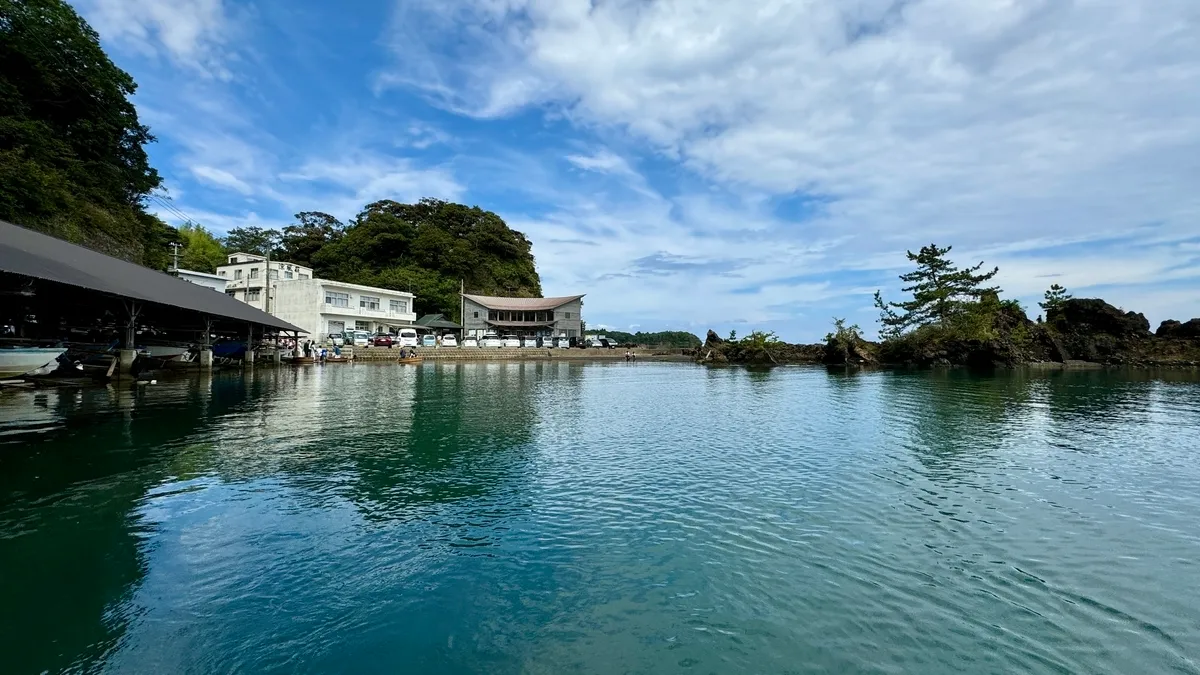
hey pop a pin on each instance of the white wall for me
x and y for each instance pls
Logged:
(302, 303)
(201, 279)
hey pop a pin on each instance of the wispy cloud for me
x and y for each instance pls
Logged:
(192, 33)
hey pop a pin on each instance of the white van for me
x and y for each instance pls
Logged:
(407, 337)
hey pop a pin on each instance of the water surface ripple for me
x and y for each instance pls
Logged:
(603, 518)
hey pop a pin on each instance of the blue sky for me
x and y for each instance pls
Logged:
(701, 163)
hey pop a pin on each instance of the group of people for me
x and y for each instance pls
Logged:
(317, 352)
(629, 355)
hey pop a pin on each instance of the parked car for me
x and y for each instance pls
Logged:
(490, 340)
(605, 343)
(510, 341)
(546, 342)
(383, 340)
(356, 338)
(337, 340)
(529, 341)
(470, 342)
(407, 337)
(449, 340)
(562, 342)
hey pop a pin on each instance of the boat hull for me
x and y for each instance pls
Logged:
(415, 359)
(21, 360)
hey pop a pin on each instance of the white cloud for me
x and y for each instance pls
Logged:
(361, 177)
(603, 161)
(192, 33)
(986, 124)
(221, 178)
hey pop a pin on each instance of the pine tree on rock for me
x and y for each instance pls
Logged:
(939, 292)
(1054, 298)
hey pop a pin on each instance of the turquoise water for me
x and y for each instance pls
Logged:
(603, 518)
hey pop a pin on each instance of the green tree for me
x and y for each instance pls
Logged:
(1055, 296)
(72, 156)
(312, 231)
(759, 346)
(257, 240)
(732, 336)
(940, 291)
(201, 251)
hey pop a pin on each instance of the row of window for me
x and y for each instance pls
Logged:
(274, 274)
(252, 295)
(529, 317)
(335, 299)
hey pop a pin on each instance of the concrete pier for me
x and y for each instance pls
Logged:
(125, 359)
(206, 359)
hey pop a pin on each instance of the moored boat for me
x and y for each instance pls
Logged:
(411, 359)
(17, 361)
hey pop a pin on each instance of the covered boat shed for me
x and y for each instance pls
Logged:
(49, 287)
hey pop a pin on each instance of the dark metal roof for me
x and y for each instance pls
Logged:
(521, 304)
(41, 256)
(520, 324)
(436, 321)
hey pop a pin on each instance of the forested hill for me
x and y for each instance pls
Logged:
(428, 248)
(72, 158)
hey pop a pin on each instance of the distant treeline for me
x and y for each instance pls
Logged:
(670, 338)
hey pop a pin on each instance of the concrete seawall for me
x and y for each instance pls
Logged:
(481, 354)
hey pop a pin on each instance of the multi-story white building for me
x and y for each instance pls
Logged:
(246, 276)
(321, 306)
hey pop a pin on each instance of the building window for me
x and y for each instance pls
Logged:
(337, 299)
(254, 273)
(253, 295)
(287, 274)
(232, 294)
(303, 276)
(237, 274)
(566, 315)
(362, 325)
(398, 306)
(367, 302)
(221, 272)
(273, 274)
(476, 315)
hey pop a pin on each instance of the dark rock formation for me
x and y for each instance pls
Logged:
(1093, 330)
(1172, 329)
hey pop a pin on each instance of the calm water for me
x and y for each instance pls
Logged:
(620, 518)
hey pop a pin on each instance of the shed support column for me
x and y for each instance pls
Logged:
(128, 353)
(249, 358)
(206, 355)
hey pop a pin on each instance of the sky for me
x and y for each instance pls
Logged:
(696, 164)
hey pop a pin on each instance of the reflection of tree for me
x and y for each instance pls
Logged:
(70, 552)
(951, 415)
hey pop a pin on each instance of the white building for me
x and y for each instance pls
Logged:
(321, 307)
(246, 277)
(213, 281)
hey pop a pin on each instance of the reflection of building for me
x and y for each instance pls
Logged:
(319, 306)
(522, 316)
(213, 281)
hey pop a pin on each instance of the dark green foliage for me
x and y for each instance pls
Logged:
(201, 251)
(72, 157)
(252, 240)
(675, 339)
(312, 231)
(426, 248)
(940, 291)
(1055, 297)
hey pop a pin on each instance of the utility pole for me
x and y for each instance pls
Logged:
(267, 301)
(175, 255)
(462, 308)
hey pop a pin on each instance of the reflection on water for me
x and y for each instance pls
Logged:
(552, 517)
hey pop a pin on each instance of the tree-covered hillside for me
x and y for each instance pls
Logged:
(72, 157)
(428, 248)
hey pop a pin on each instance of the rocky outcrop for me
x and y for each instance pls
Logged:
(850, 352)
(1174, 330)
(1093, 330)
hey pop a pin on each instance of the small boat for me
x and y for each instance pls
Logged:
(411, 359)
(16, 361)
(300, 360)
(228, 350)
(164, 352)
(336, 359)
